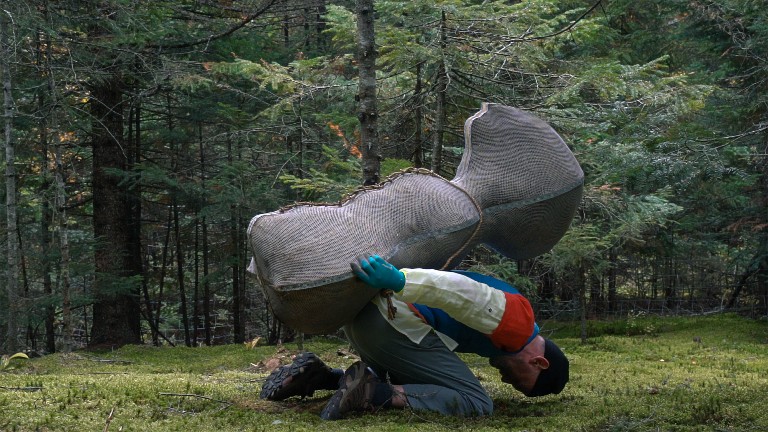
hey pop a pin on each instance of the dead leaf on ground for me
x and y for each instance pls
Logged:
(347, 354)
(281, 357)
(253, 343)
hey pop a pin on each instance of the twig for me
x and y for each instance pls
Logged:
(109, 419)
(26, 389)
(571, 25)
(112, 361)
(208, 39)
(101, 360)
(196, 396)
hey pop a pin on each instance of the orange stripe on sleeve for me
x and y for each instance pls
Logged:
(516, 326)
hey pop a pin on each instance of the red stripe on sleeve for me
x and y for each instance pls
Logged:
(417, 312)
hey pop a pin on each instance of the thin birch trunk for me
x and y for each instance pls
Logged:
(45, 112)
(238, 294)
(12, 342)
(367, 112)
(60, 215)
(204, 234)
(62, 228)
(416, 156)
(161, 279)
(442, 87)
(180, 275)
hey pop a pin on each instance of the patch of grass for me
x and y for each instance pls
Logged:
(688, 374)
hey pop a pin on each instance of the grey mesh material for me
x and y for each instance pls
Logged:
(301, 255)
(523, 176)
(516, 190)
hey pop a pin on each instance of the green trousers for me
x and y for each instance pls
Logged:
(434, 377)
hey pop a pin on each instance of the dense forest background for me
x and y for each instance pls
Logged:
(141, 137)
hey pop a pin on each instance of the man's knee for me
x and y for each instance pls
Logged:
(477, 405)
(485, 406)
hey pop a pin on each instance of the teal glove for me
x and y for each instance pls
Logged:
(378, 273)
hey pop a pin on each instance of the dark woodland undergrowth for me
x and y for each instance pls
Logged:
(635, 374)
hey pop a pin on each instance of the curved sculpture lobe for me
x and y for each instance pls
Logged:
(516, 189)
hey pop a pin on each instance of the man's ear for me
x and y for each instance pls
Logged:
(539, 361)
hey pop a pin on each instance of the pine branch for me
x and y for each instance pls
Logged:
(208, 39)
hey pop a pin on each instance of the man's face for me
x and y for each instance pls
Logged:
(516, 371)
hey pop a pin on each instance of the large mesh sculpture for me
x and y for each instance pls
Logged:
(516, 190)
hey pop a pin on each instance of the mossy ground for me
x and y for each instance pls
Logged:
(638, 374)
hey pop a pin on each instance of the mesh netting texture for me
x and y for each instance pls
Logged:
(516, 190)
(523, 176)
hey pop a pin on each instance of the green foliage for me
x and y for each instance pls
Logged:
(342, 26)
(336, 178)
(637, 323)
(269, 76)
(391, 166)
(507, 270)
(663, 103)
(583, 243)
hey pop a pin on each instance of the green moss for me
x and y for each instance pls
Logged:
(689, 374)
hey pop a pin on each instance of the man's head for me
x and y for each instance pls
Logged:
(539, 369)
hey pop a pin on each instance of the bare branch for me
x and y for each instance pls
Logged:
(263, 9)
(197, 396)
(570, 26)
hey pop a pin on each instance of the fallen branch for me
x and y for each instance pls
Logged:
(109, 419)
(100, 360)
(192, 395)
(112, 361)
(25, 389)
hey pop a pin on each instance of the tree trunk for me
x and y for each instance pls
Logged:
(581, 287)
(320, 26)
(135, 135)
(204, 228)
(116, 310)
(417, 153)
(367, 112)
(612, 274)
(238, 293)
(62, 229)
(12, 341)
(196, 290)
(762, 273)
(286, 30)
(46, 244)
(595, 293)
(547, 291)
(206, 289)
(751, 270)
(58, 214)
(180, 275)
(238, 304)
(133, 202)
(45, 113)
(442, 88)
(61, 225)
(161, 278)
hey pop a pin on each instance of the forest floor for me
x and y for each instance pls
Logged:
(635, 374)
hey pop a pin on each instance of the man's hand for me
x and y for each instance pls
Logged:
(378, 273)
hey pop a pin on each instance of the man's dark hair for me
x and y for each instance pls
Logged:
(553, 379)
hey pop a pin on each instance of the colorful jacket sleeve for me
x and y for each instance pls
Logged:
(506, 317)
